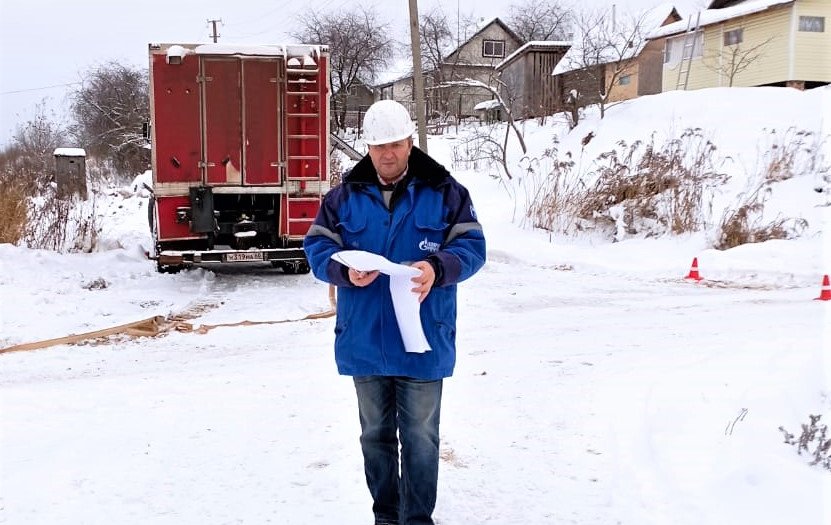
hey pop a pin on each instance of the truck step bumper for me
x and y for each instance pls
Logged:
(188, 257)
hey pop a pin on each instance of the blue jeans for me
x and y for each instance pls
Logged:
(398, 407)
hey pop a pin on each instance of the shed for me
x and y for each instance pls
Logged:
(489, 111)
(527, 84)
(71, 172)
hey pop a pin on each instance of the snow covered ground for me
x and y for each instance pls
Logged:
(594, 383)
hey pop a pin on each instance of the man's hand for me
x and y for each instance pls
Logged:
(425, 280)
(362, 278)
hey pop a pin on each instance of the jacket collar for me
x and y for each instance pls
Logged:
(422, 167)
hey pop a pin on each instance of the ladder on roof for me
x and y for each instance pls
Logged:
(687, 52)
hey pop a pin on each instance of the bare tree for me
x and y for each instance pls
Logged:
(110, 109)
(540, 20)
(436, 38)
(30, 159)
(503, 148)
(733, 59)
(436, 43)
(603, 53)
(359, 46)
(442, 63)
(27, 167)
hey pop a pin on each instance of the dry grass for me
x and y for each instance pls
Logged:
(813, 435)
(335, 168)
(784, 156)
(32, 213)
(552, 189)
(746, 223)
(62, 224)
(653, 189)
(638, 189)
(660, 189)
(13, 209)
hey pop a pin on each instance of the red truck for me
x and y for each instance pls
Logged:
(240, 152)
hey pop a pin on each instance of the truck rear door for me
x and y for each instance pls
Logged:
(223, 121)
(261, 86)
(242, 115)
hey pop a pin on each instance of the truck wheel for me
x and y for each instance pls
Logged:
(165, 268)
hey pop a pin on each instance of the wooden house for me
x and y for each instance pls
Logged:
(475, 58)
(615, 60)
(528, 88)
(349, 105)
(749, 43)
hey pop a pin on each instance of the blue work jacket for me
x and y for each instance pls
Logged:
(433, 219)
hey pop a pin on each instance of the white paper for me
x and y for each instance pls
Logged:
(368, 262)
(404, 299)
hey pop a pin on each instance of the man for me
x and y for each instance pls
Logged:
(399, 203)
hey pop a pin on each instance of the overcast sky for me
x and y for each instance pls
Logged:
(45, 46)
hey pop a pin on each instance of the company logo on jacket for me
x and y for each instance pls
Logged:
(428, 246)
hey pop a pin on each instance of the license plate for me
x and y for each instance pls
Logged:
(244, 257)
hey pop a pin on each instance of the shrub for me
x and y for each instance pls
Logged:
(812, 435)
(481, 148)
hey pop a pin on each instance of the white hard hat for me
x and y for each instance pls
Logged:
(387, 121)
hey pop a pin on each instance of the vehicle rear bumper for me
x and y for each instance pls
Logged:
(188, 257)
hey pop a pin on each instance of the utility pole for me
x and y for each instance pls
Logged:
(458, 26)
(418, 78)
(214, 35)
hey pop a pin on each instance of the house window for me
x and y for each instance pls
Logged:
(493, 48)
(674, 47)
(733, 37)
(813, 24)
(625, 80)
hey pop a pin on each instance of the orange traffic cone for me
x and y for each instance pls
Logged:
(825, 294)
(694, 271)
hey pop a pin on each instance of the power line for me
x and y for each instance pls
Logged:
(39, 88)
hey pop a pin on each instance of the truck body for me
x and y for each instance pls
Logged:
(240, 152)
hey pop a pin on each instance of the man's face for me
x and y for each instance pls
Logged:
(390, 160)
